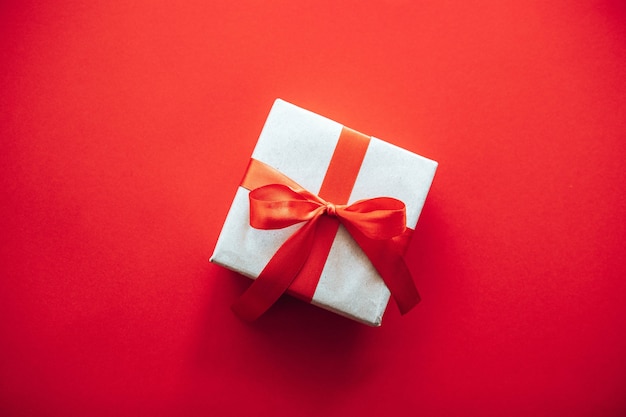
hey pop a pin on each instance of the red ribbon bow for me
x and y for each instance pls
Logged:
(376, 225)
(276, 206)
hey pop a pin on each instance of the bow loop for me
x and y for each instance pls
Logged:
(379, 218)
(277, 206)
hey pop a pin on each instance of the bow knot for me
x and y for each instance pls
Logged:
(331, 209)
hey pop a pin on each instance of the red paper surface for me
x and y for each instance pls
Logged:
(126, 128)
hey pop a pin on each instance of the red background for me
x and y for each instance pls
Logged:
(125, 129)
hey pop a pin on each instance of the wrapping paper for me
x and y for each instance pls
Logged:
(300, 144)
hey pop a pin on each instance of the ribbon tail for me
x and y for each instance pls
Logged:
(389, 263)
(278, 274)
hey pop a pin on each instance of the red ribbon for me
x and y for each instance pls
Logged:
(378, 226)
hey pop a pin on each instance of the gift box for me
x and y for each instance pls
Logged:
(337, 171)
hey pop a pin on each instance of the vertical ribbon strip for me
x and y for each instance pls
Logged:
(377, 225)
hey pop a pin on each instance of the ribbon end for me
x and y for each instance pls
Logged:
(408, 304)
(243, 312)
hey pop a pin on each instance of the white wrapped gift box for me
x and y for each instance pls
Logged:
(300, 144)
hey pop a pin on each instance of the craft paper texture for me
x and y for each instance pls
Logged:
(300, 144)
